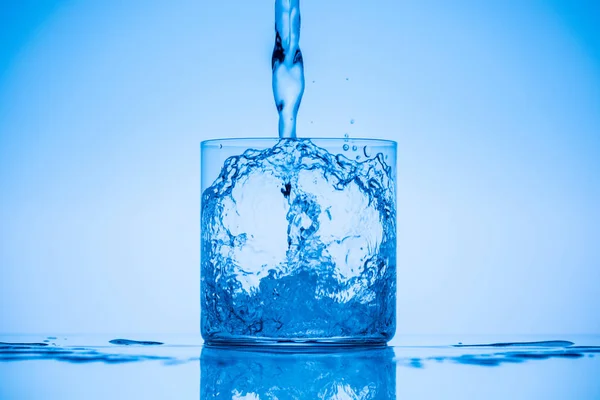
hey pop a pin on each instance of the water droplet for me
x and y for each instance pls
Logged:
(346, 147)
(311, 122)
(354, 148)
(352, 121)
(346, 136)
(220, 146)
(314, 81)
(358, 157)
(347, 79)
(366, 152)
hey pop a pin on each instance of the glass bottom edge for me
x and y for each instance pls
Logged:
(294, 342)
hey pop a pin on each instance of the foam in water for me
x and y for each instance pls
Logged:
(288, 65)
(299, 243)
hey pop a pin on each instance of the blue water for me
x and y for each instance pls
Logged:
(117, 351)
(358, 373)
(288, 66)
(299, 244)
(74, 367)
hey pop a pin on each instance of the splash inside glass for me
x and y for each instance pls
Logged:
(298, 241)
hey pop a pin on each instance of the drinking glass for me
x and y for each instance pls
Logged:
(298, 241)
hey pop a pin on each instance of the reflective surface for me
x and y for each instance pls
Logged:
(360, 373)
(99, 367)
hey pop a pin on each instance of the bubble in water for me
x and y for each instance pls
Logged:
(352, 121)
(346, 147)
(354, 148)
(346, 136)
(220, 146)
(366, 152)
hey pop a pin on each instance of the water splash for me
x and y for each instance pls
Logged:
(297, 241)
(287, 65)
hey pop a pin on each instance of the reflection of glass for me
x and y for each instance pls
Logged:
(298, 241)
(351, 373)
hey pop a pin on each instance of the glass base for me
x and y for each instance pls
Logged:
(295, 342)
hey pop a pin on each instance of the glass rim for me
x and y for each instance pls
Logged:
(234, 142)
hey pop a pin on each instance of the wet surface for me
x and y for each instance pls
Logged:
(128, 342)
(527, 351)
(184, 368)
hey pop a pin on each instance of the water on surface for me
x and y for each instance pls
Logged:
(298, 242)
(93, 368)
(543, 343)
(126, 350)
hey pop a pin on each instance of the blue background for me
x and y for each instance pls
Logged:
(495, 107)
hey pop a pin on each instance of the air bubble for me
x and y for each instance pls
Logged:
(354, 148)
(352, 121)
(366, 152)
(346, 147)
